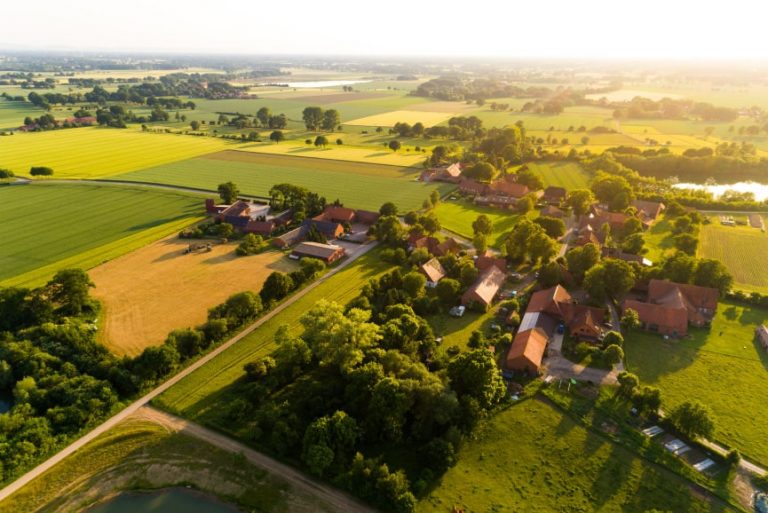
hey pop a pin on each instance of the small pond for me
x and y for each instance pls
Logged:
(170, 500)
(760, 190)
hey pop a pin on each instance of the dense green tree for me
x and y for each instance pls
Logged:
(611, 278)
(69, 289)
(474, 373)
(634, 244)
(313, 118)
(482, 171)
(331, 119)
(388, 230)
(394, 145)
(264, 115)
(527, 177)
(693, 419)
(686, 243)
(582, 259)
(628, 383)
(613, 190)
(228, 192)
(630, 320)
(482, 225)
(447, 291)
(553, 226)
(389, 209)
(579, 200)
(712, 273)
(480, 243)
(613, 354)
(321, 140)
(276, 136)
(414, 284)
(277, 286)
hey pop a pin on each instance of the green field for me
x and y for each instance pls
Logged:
(457, 216)
(141, 455)
(722, 367)
(359, 185)
(742, 250)
(200, 394)
(658, 241)
(532, 458)
(12, 114)
(50, 226)
(99, 152)
(568, 175)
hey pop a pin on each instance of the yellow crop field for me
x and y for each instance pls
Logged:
(346, 153)
(96, 152)
(402, 116)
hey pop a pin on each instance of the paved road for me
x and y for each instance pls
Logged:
(333, 497)
(144, 400)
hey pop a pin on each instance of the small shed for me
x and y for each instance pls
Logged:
(328, 253)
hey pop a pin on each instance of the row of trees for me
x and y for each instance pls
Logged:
(315, 118)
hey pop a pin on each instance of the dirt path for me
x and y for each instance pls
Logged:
(144, 400)
(339, 500)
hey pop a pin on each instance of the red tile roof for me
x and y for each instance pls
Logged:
(433, 270)
(527, 350)
(486, 287)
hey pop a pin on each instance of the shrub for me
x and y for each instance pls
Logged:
(6, 173)
(40, 171)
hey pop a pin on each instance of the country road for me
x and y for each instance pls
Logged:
(339, 500)
(145, 399)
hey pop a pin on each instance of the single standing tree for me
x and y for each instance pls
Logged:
(482, 225)
(195, 125)
(321, 140)
(394, 145)
(264, 115)
(277, 136)
(630, 320)
(313, 117)
(331, 119)
(228, 192)
(693, 419)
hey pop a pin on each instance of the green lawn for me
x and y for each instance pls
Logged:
(199, 395)
(568, 175)
(741, 249)
(722, 367)
(96, 152)
(658, 241)
(356, 184)
(458, 216)
(532, 458)
(12, 114)
(50, 226)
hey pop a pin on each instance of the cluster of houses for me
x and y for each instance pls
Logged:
(81, 121)
(333, 223)
(590, 226)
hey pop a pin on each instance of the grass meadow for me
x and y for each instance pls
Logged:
(359, 185)
(96, 152)
(199, 395)
(12, 114)
(139, 454)
(723, 367)
(533, 458)
(457, 216)
(48, 227)
(741, 249)
(568, 175)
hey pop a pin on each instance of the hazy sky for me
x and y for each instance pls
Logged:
(505, 28)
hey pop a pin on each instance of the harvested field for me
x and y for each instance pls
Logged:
(152, 291)
(427, 118)
(453, 108)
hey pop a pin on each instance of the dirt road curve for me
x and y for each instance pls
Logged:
(333, 497)
(144, 400)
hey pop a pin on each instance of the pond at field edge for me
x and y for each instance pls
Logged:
(169, 500)
(760, 190)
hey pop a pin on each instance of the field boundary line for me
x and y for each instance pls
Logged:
(133, 407)
(242, 150)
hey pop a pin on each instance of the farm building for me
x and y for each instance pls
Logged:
(486, 287)
(450, 173)
(552, 211)
(448, 247)
(487, 259)
(433, 270)
(527, 351)
(762, 336)
(554, 195)
(627, 257)
(648, 211)
(248, 216)
(325, 252)
(550, 306)
(671, 307)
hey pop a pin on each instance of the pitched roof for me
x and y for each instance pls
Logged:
(317, 249)
(673, 319)
(512, 189)
(433, 270)
(649, 209)
(552, 211)
(238, 208)
(486, 287)
(485, 261)
(367, 217)
(549, 300)
(527, 346)
(698, 297)
(339, 214)
(471, 186)
(449, 245)
(454, 170)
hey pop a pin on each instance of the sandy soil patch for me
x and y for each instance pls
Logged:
(152, 291)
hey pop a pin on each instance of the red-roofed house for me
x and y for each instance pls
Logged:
(527, 351)
(485, 289)
(433, 270)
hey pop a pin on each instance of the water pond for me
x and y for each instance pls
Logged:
(171, 500)
(760, 190)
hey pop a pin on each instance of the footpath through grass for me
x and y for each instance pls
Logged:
(51, 226)
(533, 458)
(198, 395)
(723, 367)
(95, 152)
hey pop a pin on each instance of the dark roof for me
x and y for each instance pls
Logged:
(367, 217)
(554, 192)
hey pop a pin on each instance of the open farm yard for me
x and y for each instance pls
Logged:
(458, 215)
(568, 175)
(47, 227)
(203, 395)
(742, 249)
(371, 155)
(95, 152)
(142, 454)
(533, 458)
(357, 185)
(150, 292)
(723, 367)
